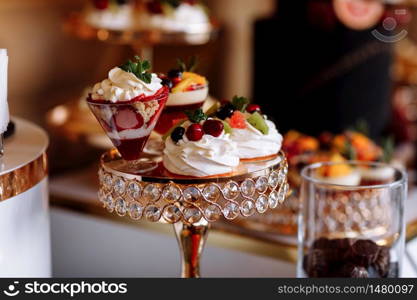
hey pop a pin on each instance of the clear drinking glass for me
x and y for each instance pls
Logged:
(351, 224)
(129, 125)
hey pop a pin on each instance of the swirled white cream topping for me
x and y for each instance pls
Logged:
(252, 143)
(124, 86)
(206, 157)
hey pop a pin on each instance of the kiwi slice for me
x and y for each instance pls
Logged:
(213, 109)
(227, 128)
(257, 121)
(166, 135)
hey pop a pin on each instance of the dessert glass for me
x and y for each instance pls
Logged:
(177, 104)
(129, 125)
(352, 231)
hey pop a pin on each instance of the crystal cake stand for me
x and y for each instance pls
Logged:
(191, 204)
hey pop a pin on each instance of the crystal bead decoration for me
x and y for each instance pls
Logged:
(135, 210)
(192, 215)
(262, 184)
(120, 207)
(133, 190)
(231, 210)
(261, 204)
(247, 187)
(152, 213)
(282, 194)
(151, 193)
(191, 194)
(273, 199)
(119, 186)
(172, 214)
(247, 208)
(282, 174)
(212, 213)
(273, 180)
(108, 181)
(171, 193)
(211, 192)
(231, 190)
(109, 203)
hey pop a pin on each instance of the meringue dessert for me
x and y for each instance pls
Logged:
(188, 16)
(128, 104)
(110, 14)
(256, 137)
(188, 91)
(200, 147)
(341, 173)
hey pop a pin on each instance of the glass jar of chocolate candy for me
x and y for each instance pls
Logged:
(351, 221)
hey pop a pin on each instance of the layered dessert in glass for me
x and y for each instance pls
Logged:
(128, 105)
(188, 91)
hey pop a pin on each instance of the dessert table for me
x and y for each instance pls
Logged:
(78, 214)
(24, 208)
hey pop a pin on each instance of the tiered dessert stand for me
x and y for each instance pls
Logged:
(191, 204)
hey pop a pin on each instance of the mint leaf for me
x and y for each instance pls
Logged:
(196, 116)
(240, 103)
(139, 68)
(189, 66)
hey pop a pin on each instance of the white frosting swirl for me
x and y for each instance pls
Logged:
(124, 86)
(206, 157)
(252, 143)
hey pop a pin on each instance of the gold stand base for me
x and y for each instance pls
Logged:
(191, 240)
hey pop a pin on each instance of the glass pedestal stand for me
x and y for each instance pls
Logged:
(191, 204)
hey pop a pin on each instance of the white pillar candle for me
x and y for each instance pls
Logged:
(4, 108)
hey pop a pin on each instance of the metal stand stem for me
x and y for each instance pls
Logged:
(191, 239)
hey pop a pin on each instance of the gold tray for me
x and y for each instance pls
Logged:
(159, 196)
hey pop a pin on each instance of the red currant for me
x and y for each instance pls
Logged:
(251, 108)
(195, 132)
(213, 127)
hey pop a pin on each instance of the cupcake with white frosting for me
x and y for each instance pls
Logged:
(200, 147)
(257, 138)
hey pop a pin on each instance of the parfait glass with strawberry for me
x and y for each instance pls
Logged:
(128, 105)
(187, 91)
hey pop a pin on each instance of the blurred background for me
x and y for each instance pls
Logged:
(311, 66)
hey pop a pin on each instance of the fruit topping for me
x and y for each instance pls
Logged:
(213, 109)
(121, 2)
(195, 132)
(196, 116)
(226, 111)
(197, 79)
(175, 73)
(251, 108)
(167, 82)
(227, 128)
(213, 127)
(176, 124)
(240, 103)
(127, 118)
(101, 4)
(182, 85)
(238, 120)
(177, 134)
(257, 121)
